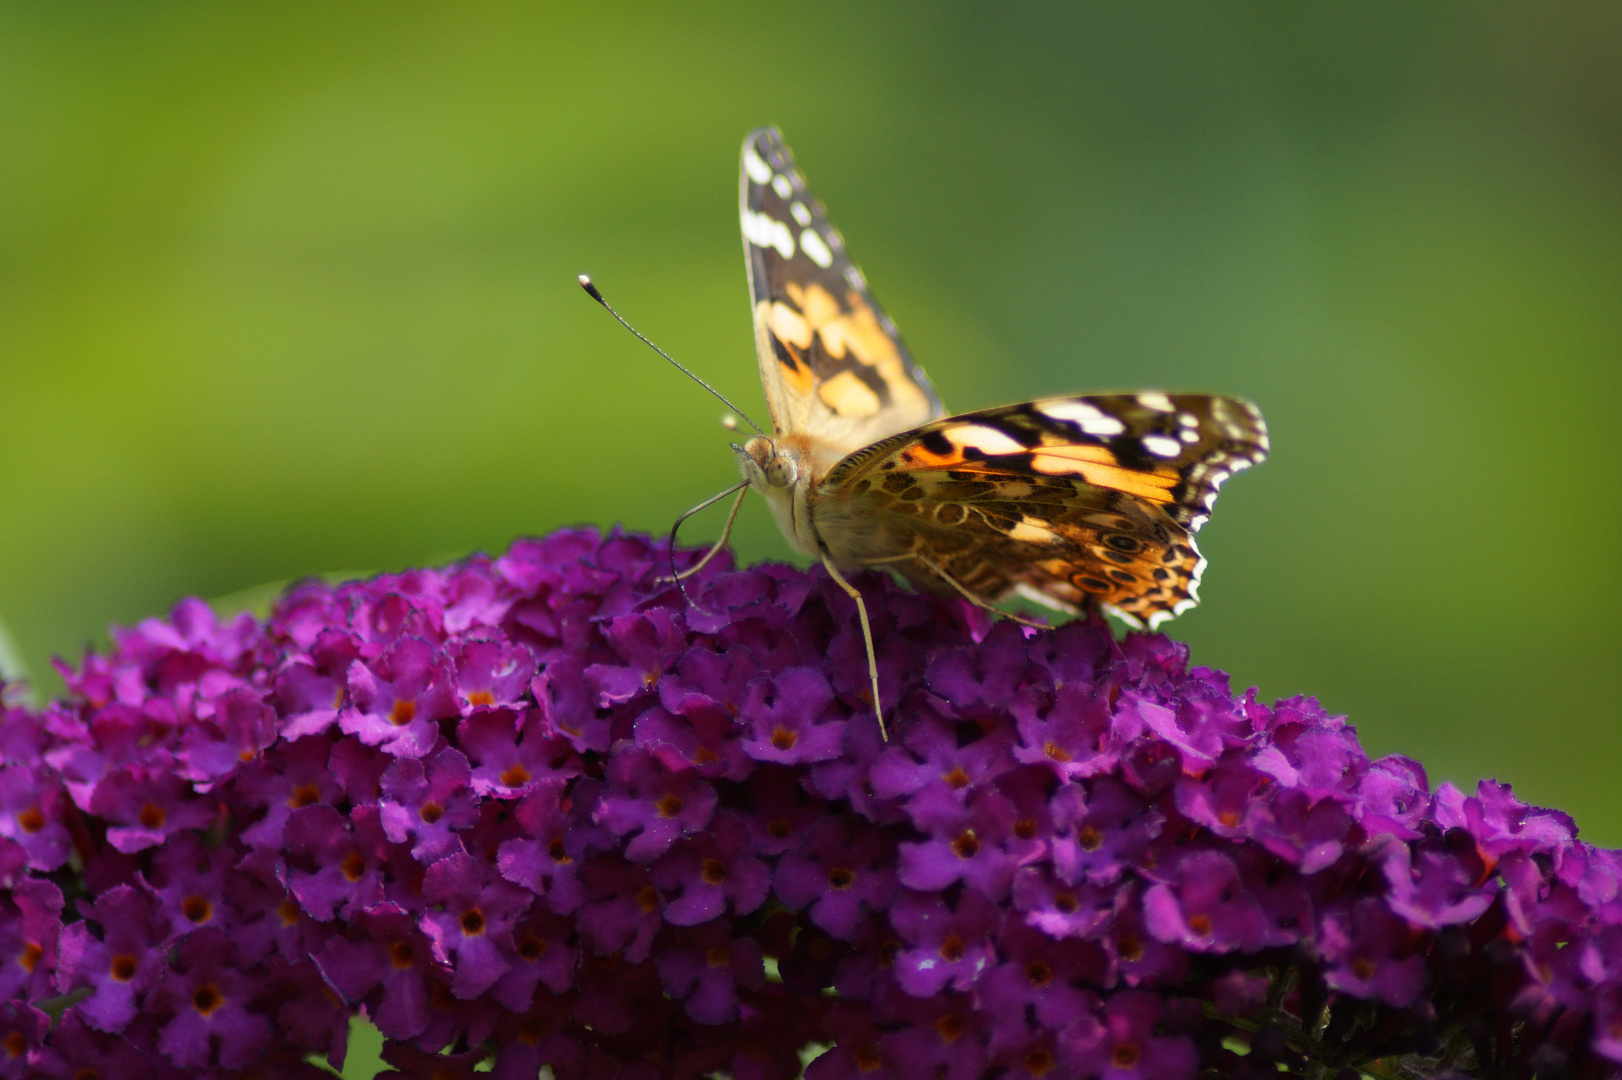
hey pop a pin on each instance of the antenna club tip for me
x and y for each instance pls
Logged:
(591, 290)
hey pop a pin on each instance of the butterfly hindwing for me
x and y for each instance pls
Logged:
(1069, 501)
(833, 367)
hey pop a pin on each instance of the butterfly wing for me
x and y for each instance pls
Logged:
(831, 362)
(1070, 501)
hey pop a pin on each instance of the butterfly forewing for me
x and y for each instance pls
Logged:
(832, 364)
(1067, 500)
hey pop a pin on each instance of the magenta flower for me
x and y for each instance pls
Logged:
(471, 921)
(1207, 907)
(23, 1030)
(708, 874)
(388, 967)
(32, 798)
(30, 929)
(120, 964)
(397, 699)
(943, 944)
(537, 811)
(427, 802)
(207, 997)
(705, 969)
(78, 1050)
(545, 857)
(1126, 1042)
(844, 869)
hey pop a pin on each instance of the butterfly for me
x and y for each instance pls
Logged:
(1074, 503)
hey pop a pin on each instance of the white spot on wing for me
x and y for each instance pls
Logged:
(1088, 417)
(1162, 446)
(1032, 531)
(801, 214)
(758, 170)
(763, 230)
(1157, 402)
(814, 248)
(781, 185)
(987, 440)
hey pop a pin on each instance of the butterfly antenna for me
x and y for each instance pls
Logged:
(591, 291)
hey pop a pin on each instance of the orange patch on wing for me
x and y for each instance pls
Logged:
(860, 333)
(818, 304)
(854, 333)
(799, 377)
(788, 325)
(916, 457)
(1064, 453)
(847, 395)
(1099, 467)
(784, 327)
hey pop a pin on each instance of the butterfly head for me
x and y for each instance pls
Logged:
(765, 465)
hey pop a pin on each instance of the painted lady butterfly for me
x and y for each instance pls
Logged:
(1072, 502)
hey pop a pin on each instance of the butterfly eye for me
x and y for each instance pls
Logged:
(781, 472)
(778, 468)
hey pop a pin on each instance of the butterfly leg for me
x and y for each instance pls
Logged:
(677, 576)
(726, 532)
(867, 637)
(975, 600)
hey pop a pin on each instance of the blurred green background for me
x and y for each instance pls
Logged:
(290, 288)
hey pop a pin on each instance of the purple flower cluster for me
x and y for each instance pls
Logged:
(535, 808)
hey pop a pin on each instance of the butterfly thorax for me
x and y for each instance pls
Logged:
(789, 472)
